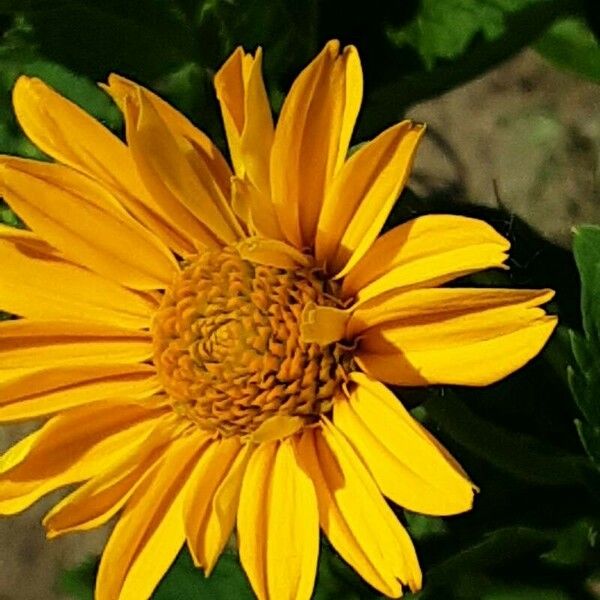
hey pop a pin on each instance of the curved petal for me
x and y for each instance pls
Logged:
(211, 504)
(55, 389)
(450, 335)
(28, 243)
(312, 137)
(79, 218)
(99, 499)
(363, 194)
(178, 180)
(425, 252)
(68, 134)
(255, 209)
(150, 532)
(33, 344)
(71, 447)
(38, 286)
(180, 126)
(246, 115)
(278, 527)
(354, 515)
(407, 466)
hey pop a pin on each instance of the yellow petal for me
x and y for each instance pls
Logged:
(362, 195)
(272, 253)
(34, 344)
(354, 515)
(425, 252)
(252, 521)
(28, 243)
(179, 125)
(208, 476)
(246, 116)
(98, 500)
(58, 388)
(37, 288)
(79, 218)
(312, 137)
(451, 335)
(408, 468)
(278, 524)
(255, 209)
(276, 427)
(71, 447)
(150, 532)
(322, 324)
(179, 181)
(68, 134)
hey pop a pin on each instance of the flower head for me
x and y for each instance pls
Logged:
(211, 343)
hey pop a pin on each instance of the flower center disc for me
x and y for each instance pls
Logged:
(227, 344)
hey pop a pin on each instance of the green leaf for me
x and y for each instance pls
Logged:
(499, 548)
(590, 438)
(586, 247)
(143, 38)
(78, 583)
(569, 44)
(515, 453)
(443, 29)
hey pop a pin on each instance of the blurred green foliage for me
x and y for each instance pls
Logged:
(534, 531)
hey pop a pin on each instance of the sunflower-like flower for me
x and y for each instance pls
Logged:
(211, 343)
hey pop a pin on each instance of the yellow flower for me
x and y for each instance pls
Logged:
(210, 342)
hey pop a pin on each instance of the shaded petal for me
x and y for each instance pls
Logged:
(278, 524)
(425, 252)
(79, 218)
(312, 137)
(407, 465)
(98, 500)
(255, 209)
(180, 182)
(362, 196)
(58, 388)
(179, 125)
(150, 532)
(71, 447)
(28, 243)
(34, 344)
(208, 520)
(246, 116)
(68, 134)
(272, 253)
(450, 335)
(354, 515)
(41, 287)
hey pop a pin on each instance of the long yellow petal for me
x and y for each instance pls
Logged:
(150, 532)
(354, 515)
(207, 528)
(71, 447)
(362, 195)
(408, 468)
(278, 524)
(312, 137)
(247, 116)
(54, 389)
(252, 517)
(28, 243)
(99, 499)
(78, 217)
(68, 134)
(39, 287)
(179, 125)
(33, 344)
(184, 189)
(450, 335)
(425, 252)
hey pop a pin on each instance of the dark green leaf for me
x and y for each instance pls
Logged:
(517, 454)
(590, 438)
(569, 44)
(443, 29)
(78, 583)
